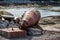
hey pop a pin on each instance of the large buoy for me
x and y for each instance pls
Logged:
(30, 18)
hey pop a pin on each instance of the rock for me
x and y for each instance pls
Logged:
(50, 20)
(12, 24)
(5, 13)
(3, 24)
(47, 22)
(7, 17)
(34, 31)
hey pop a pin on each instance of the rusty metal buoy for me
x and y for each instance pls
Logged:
(30, 18)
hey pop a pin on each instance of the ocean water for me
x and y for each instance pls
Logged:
(17, 12)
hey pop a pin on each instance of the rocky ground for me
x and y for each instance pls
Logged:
(51, 23)
(51, 27)
(51, 30)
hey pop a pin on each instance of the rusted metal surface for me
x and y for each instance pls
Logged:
(30, 18)
(15, 33)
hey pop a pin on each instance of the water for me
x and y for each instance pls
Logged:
(17, 12)
(55, 8)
